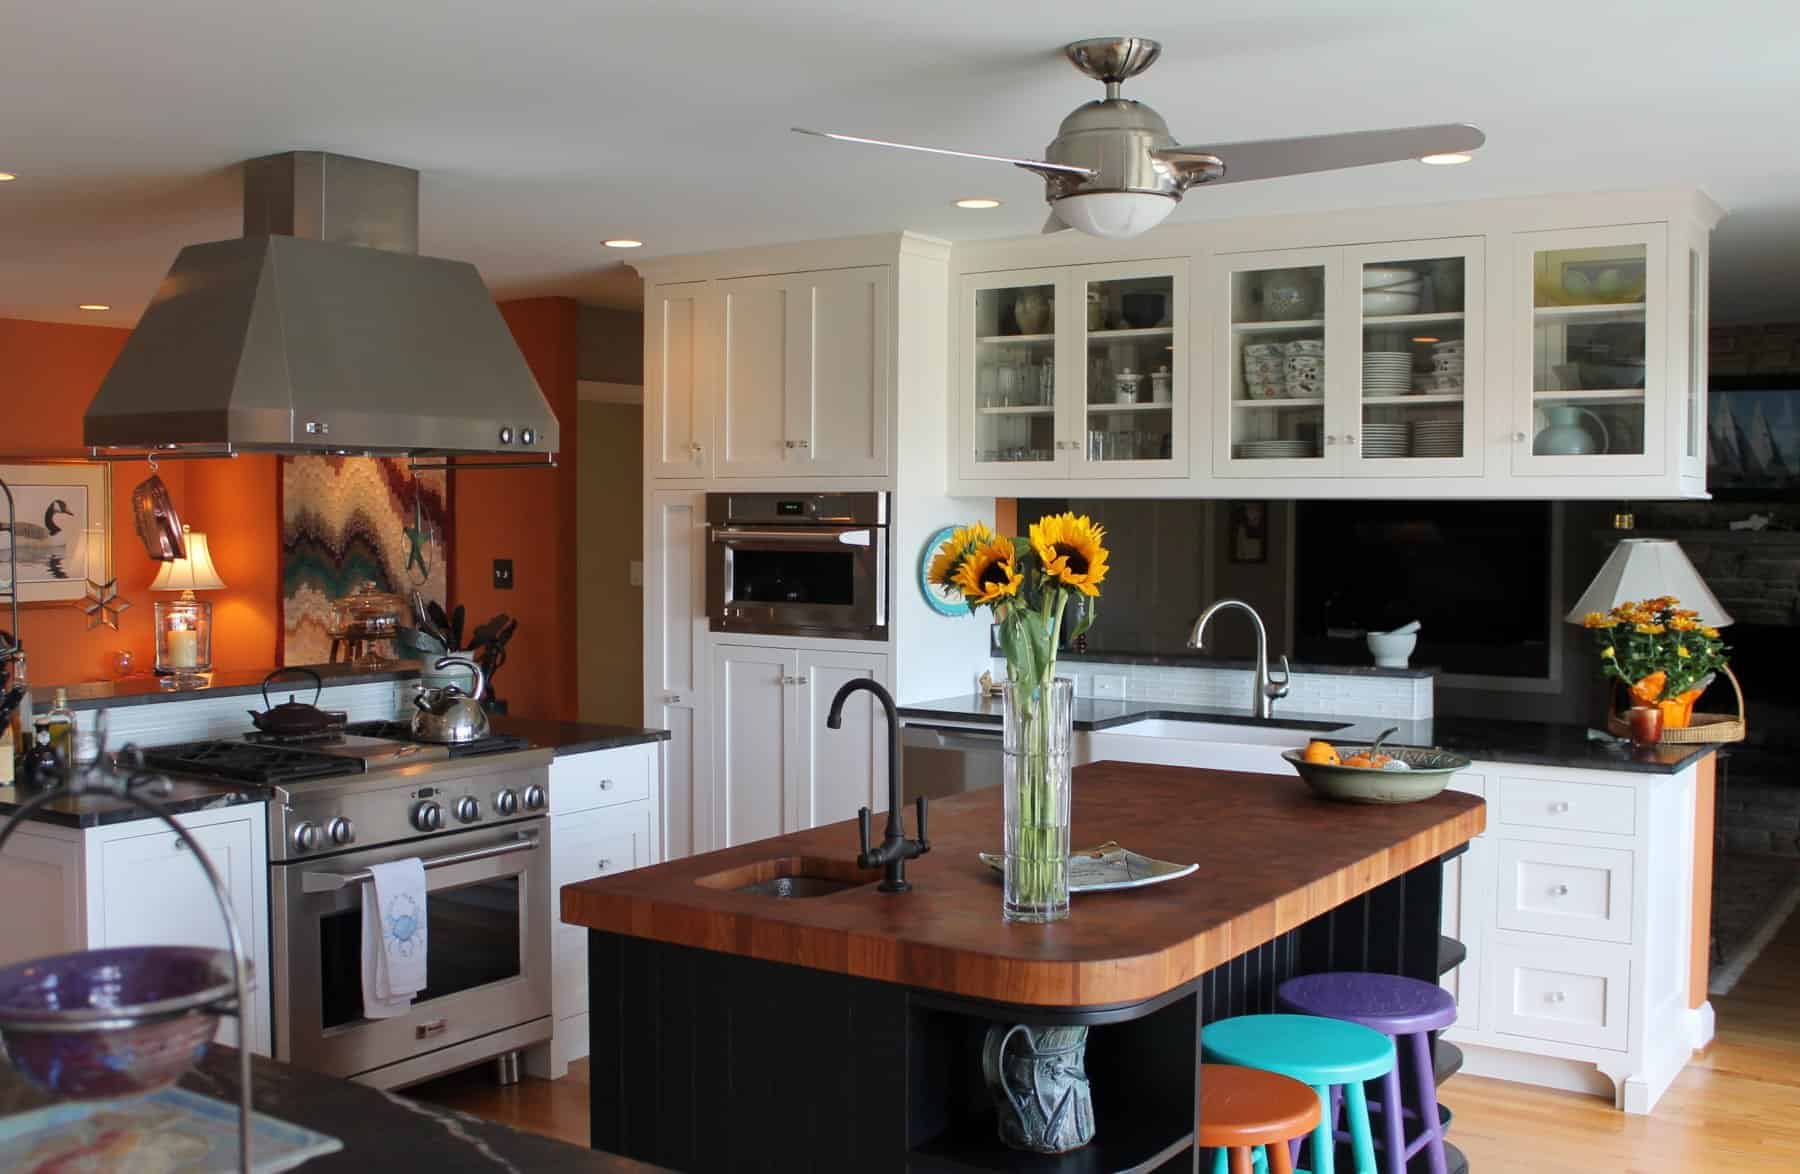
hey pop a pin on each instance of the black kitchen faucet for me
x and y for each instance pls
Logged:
(895, 849)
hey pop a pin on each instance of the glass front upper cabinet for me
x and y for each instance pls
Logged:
(1012, 366)
(1594, 302)
(1132, 367)
(1420, 363)
(1273, 348)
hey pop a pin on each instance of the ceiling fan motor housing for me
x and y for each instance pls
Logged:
(1115, 137)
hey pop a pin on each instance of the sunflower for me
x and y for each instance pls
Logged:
(957, 548)
(1069, 548)
(989, 573)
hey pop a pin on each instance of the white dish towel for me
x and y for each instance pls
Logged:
(393, 937)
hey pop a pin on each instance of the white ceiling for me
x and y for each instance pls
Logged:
(544, 127)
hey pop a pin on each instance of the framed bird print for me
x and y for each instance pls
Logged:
(60, 528)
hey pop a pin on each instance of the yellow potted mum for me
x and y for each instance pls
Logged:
(1034, 586)
(1662, 653)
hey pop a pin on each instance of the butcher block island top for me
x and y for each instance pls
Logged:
(1272, 857)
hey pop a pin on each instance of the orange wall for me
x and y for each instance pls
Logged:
(528, 515)
(237, 503)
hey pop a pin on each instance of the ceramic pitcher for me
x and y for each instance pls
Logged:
(1037, 1078)
(1564, 436)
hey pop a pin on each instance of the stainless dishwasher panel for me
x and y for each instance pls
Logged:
(948, 760)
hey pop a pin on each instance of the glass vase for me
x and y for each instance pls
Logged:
(1039, 729)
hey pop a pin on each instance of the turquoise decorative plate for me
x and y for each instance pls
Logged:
(943, 601)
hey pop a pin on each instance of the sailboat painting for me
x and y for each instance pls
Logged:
(57, 528)
(1753, 440)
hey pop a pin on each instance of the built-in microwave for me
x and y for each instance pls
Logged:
(798, 564)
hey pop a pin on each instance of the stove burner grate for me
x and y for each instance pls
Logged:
(401, 731)
(249, 762)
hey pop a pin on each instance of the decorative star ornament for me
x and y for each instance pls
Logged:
(418, 537)
(103, 604)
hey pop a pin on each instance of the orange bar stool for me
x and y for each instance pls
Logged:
(1243, 1108)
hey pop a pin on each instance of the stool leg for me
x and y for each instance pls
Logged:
(1393, 1124)
(1362, 1143)
(1278, 1158)
(1240, 1160)
(1428, 1106)
(1323, 1159)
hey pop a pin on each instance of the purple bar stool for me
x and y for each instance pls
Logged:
(1405, 1009)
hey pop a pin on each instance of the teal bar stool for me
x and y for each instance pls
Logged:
(1328, 1054)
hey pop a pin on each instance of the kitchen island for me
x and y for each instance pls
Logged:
(731, 1030)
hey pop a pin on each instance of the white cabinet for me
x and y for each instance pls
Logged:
(1074, 372)
(1362, 361)
(675, 656)
(804, 377)
(776, 767)
(677, 414)
(136, 883)
(603, 820)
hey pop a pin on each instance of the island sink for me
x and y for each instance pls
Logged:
(1282, 734)
(791, 877)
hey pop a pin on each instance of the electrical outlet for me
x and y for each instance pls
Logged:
(637, 572)
(1109, 685)
(503, 579)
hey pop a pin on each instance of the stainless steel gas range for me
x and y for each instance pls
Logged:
(475, 815)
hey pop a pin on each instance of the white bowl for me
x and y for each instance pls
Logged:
(1391, 652)
(1383, 276)
(1387, 302)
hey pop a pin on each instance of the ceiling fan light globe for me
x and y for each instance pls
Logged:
(1114, 215)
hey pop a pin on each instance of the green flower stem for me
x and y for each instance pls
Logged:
(1042, 863)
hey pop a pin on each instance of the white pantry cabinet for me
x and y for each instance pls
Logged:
(776, 767)
(675, 658)
(603, 820)
(136, 883)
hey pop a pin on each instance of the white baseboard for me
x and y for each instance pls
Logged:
(1577, 1076)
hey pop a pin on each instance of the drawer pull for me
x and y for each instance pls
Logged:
(430, 1029)
(606, 784)
(1559, 807)
(1555, 997)
(1559, 890)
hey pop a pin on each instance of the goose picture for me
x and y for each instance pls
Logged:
(42, 548)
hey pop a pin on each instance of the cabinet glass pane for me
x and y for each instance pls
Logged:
(1588, 351)
(1697, 345)
(1015, 374)
(1413, 354)
(1277, 359)
(1130, 357)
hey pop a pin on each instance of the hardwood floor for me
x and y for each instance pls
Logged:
(1735, 1109)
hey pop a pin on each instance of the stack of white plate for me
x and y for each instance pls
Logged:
(1387, 373)
(1384, 440)
(1275, 450)
(1437, 438)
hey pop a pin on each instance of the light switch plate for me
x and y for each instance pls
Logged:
(1109, 685)
(637, 572)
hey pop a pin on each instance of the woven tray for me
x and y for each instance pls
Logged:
(1701, 728)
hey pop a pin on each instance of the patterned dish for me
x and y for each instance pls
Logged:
(1427, 772)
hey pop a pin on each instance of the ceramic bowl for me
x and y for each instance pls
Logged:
(1386, 276)
(1428, 772)
(1391, 652)
(1379, 302)
(112, 1023)
(1141, 310)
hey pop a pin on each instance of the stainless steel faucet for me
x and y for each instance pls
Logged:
(1268, 690)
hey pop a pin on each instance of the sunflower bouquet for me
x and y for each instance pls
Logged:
(1661, 651)
(1034, 586)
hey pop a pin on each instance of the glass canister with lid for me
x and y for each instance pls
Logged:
(363, 625)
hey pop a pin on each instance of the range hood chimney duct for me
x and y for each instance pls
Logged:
(322, 330)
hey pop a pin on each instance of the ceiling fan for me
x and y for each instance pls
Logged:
(1114, 170)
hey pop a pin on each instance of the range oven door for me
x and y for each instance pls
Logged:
(488, 950)
(801, 580)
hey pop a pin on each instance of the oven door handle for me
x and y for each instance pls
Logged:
(331, 882)
(818, 536)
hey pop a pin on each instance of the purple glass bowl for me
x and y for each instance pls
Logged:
(112, 1023)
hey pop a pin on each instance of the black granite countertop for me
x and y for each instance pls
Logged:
(151, 690)
(1523, 743)
(184, 796)
(380, 1130)
(1204, 660)
(575, 737)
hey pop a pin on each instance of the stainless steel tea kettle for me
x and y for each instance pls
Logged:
(449, 714)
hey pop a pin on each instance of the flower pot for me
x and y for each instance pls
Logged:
(1039, 730)
(1646, 724)
(1678, 712)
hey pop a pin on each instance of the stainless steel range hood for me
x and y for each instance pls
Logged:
(322, 330)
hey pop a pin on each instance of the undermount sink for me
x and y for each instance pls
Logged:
(792, 877)
(1273, 733)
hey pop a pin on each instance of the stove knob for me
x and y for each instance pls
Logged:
(507, 802)
(341, 831)
(534, 798)
(468, 809)
(306, 836)
(428, 817)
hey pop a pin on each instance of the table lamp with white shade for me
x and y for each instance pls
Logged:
(1649, 568)
(184, 625)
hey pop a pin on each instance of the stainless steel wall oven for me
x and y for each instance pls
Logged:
(798, 564)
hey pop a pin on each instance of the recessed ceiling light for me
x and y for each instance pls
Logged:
(93, 306)
(7, 177)
(1449, 159)
(1426, 338)
(623, 243)
(978, 202)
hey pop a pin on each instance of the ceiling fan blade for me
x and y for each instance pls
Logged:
(1037, 165)
(1270, 158)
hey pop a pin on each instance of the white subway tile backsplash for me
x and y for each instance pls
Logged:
(1327, 694)
(187, 719)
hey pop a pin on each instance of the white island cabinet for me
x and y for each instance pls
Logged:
(136, 883)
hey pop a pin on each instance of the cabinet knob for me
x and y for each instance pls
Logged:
(1555, 997)
(1559, 890)
(799, 680)
(606, 784)
(1518, 438)
(671, 699)
(604, 865)
(1350, 438)
(1559, 807)
(1330, 439)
